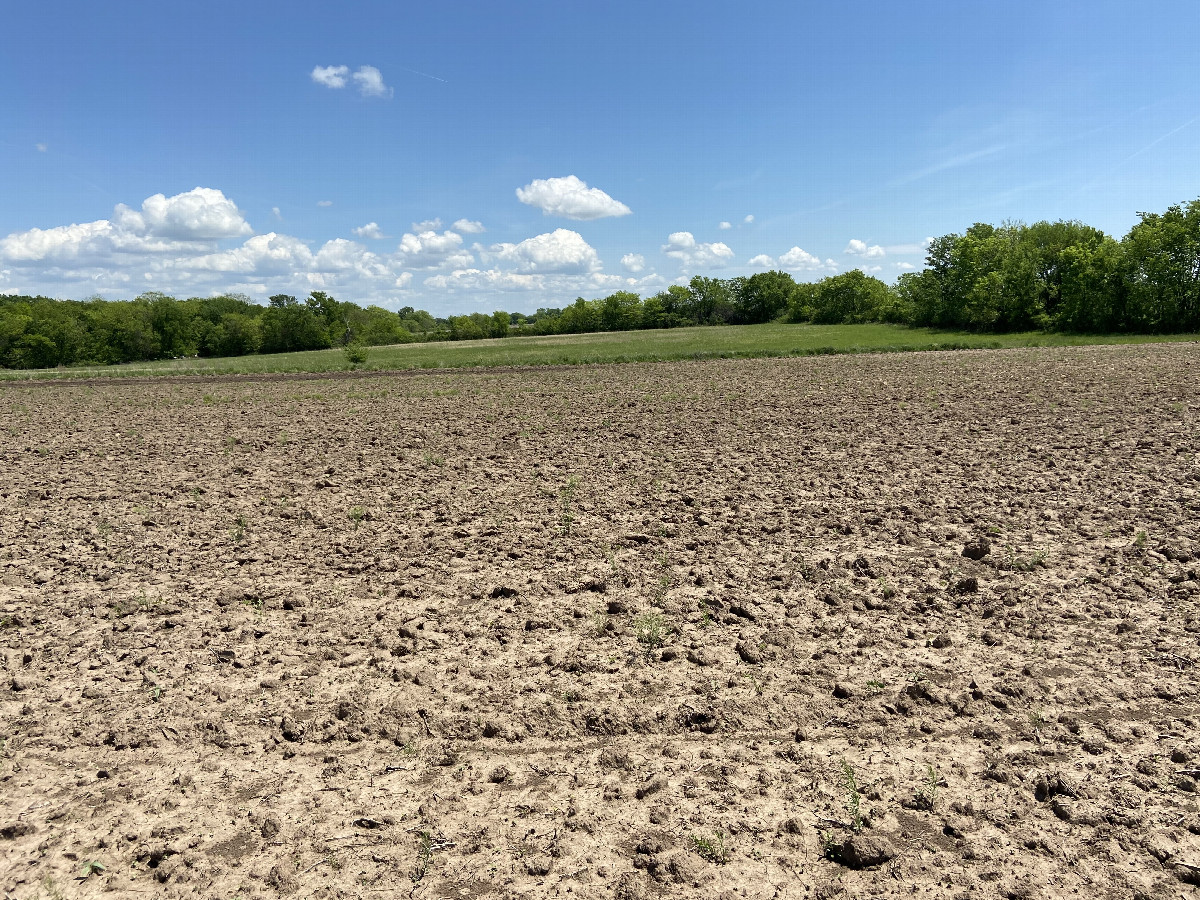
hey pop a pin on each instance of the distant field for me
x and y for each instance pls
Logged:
(612, 347)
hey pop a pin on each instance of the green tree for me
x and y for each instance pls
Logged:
(671, 308)
(763, 297)
(500, 324)
(851, 297)
(288, 325)
(581, 317)
(621, 311)
(1162, 254)
(1091, 288)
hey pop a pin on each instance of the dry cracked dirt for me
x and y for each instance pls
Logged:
(832, 627)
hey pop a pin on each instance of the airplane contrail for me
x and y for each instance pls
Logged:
(423, 74)
(1158, 141)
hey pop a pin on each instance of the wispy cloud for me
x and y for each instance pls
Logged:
(953, 162)
(1154, 143)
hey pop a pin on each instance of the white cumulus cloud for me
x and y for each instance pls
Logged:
(762, 261)
(324, 203)
(682, 245)
(370, 82)
(330, 76)
(190, 221)
(371, 231)
(467, 226)
(368, 78)
(633, 262)
(201, 214)
(427, 225)
(570, 198)
(491, 279)
(749, 220)
(430, 250)
(797, 259)
(725, 226)
(262, 255)
(860, 248)
(61, 244)
(559, 251)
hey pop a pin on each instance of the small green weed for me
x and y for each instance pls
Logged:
(91, 867)
(424, 855)
(712, 849)
(651, 630)
(566, 495)
(927, 793)
(853, 801)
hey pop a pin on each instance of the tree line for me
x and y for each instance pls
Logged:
(1056, 276)
(38, 332)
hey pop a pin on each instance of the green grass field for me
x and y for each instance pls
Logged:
(731, 341)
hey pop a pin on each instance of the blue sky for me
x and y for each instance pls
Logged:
(476, 156)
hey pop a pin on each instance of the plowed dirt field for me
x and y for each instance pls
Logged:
(839, 626)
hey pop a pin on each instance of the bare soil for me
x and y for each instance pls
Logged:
(839, 626)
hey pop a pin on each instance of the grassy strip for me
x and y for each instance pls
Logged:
(726, 342)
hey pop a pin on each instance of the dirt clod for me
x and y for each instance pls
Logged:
(863, 850)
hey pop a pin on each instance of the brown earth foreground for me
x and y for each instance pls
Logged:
(632, 631)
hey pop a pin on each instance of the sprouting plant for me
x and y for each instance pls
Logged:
(830, 848)
(431, 459)
(238, 531)
(357, 514)
(886, 589)
(1025, 563)
(712, 849)
(566, 495)
(664, 581)
(91, 867)
(424, 854)
(705, 616)
(600, 620)
(853, 799)
(876, 685)
(1140, 540)
(651, 630)
(928, 792)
